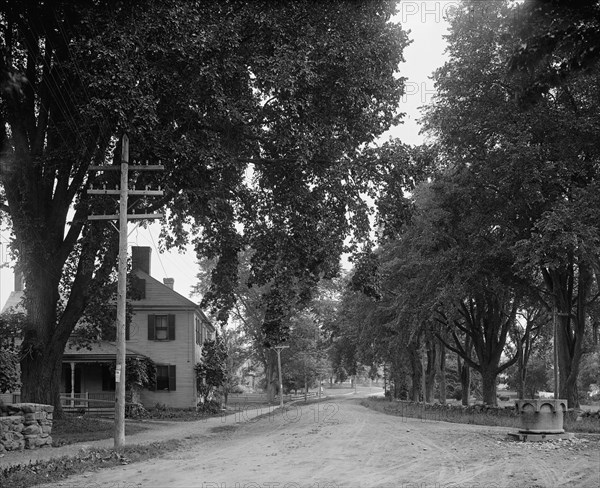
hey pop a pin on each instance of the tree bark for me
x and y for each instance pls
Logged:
(521, 378)
(442, 372)
(571, 322)
(417, 371)
(43, 344)
(271, 375)
(465, 383)
(306, 386)
(488, 385)
(430, 370)
(41, 375)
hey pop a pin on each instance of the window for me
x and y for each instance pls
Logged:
(165, 377)
(161, 327)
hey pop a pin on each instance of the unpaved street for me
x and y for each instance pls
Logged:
(343, 444)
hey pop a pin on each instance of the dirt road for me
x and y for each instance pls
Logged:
(341, 444)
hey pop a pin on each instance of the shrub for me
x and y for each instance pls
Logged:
(135, 411)
(209, 407)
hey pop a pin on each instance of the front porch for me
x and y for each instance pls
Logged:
(88, 381)
(99, 403)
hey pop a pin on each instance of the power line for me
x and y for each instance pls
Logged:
(158, 255)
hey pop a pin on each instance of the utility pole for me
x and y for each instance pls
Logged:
(555, 352)
(123, 218)
(278, 349)
(121, 300)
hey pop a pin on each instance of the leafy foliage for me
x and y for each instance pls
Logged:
(9, 375)
(211, 371)
(11, 326)
(256, 109)
(558, 41)
(140, 373)
(529, 171)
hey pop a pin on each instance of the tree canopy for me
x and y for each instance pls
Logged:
(506, 219)
(256, 109)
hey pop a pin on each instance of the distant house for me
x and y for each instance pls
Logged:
(166, 327)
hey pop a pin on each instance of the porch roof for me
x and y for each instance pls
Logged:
(97, 352)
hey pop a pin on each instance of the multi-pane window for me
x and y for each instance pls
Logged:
(161, 327)
(165, 377)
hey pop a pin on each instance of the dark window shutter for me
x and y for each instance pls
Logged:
(127, 331)
(172, 383)
(171, 327)
(150, 327)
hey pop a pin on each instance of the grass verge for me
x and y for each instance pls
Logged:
(84, 429)
(28, 475)
(457, 415)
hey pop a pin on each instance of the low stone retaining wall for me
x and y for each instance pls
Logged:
(508, 411)
(438, 410)
(25, 426)
(589, 414)
(443, 412)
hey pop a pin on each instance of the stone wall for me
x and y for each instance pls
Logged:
(25, 426)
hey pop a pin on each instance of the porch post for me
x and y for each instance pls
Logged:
(72, 384)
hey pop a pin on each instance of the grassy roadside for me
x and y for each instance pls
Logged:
(585, 425)
(84, 429)
(26, 476)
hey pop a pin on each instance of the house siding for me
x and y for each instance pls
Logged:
(182, 352)
(178, 352)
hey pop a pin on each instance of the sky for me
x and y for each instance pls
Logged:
(426, 21)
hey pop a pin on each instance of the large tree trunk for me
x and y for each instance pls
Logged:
(488, 385)
(43, 343)
(399, 381)
(570, 324)
(465, 381)
(521, 378)
(271, 375)
(41, 375)
(442, 372)
(569, 358)
(414, 356)
(430, 370)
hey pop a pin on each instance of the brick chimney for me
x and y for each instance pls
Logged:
(170, 282)
(140, 258)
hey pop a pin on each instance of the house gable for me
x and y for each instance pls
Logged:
(158, 295)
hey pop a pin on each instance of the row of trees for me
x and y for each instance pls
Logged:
(502, 233)
(262, 126)
(247, 342)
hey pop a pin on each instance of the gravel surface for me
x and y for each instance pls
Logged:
(340, 443)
